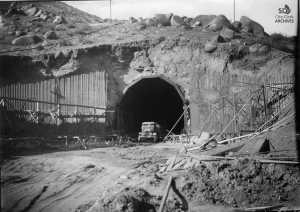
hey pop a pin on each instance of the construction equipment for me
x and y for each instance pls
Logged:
(150, 132)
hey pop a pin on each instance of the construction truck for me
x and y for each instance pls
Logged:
(150, 132)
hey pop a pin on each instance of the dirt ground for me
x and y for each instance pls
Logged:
(111, 178)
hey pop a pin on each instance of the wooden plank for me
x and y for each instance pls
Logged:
(183, 161)
(169, 168)
(188, 161)
(169, 160)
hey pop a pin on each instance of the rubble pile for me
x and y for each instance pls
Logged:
(241, 183)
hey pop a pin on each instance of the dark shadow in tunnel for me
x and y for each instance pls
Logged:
(151, 100)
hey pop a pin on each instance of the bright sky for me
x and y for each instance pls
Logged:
(262, 11)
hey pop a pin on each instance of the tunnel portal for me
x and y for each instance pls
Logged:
(151, 99)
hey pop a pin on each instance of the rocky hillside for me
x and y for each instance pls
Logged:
(52, 39)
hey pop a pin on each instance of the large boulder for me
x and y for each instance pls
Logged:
(39, 13)
(210, 47)
(187, 20)
(32, 11)
(202, 19)
(26, 7)
(196, 24)
(51, 35)
(150, 21)
(247, 29)
(132, 20)
(59, 20)
(176, 21)
(163, 19)
(27, 40)
(217, 39)
(227, 34)
(254, 48)
(237, 25)
(258, 30)
(264, 49)
(218, 23)
(44, 17)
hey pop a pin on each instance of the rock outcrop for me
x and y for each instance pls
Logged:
(202, 19)
(132, 20)
(256, 28)
(218, 23)
(176, 21)
(163, 19)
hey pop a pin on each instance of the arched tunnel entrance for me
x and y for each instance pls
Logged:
(151, 98)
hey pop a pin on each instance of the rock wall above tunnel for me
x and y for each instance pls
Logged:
(182, 60)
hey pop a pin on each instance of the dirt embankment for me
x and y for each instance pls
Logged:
(127, 179)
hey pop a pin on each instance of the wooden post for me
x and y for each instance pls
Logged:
(118, 118)
(163, 202)
(234, 113)
(265, 103)
(251, 118)
(223, 113)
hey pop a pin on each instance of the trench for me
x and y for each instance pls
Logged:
(151, 99)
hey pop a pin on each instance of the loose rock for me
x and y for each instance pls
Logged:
(141, 27)
(59, 20)
(187, 20)
(26, 40)
(32, 11)
(176, 21)
(264, 49)
(254, 48)
(202, 19)
(132, 20)
(217, 39)
(45, 17)
(20, 33)
(258, 30)
(51, 35)
(237, 25)
(227, 34)
(38, 13)
(163, 19)
(210, 47)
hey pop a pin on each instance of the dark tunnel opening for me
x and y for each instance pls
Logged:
(151, 100)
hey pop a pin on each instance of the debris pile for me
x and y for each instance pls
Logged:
(241, 183)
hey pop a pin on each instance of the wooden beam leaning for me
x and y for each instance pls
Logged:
(163, 202)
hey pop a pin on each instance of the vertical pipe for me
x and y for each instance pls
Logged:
(233, 10)
(110, 9)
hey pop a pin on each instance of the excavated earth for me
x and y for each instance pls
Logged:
(126, 178)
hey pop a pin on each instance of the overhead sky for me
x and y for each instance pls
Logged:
(262, 11)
